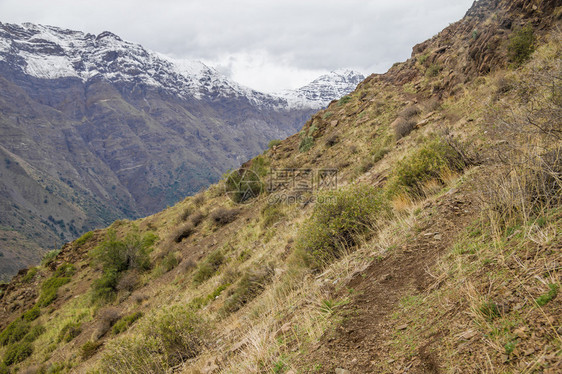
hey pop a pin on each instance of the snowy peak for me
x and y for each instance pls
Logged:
(48, 52)
(324, 89)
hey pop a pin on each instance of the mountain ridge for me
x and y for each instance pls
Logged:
(108, 130)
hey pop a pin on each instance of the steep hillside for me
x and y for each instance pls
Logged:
(94, 128)
(414, 225)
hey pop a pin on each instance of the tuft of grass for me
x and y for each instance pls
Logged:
(273, 143)
(30, 275)
(166, 339)
(49, 257)
(489, 310)
(250, 285)
(208, 267)
(549, 296)
(306, 143)
(116, 256)
(270, 214)
(402, 127)
(344, 100)
(69, 332)
(49, 290)
(124, 323)
(89, 349)
(339, 220)
(83, 239)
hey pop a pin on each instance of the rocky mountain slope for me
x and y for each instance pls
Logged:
(411, 226)
(94, 128)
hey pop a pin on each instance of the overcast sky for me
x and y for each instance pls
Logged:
(265, 44)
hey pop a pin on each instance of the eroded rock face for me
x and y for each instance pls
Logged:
(94, 128)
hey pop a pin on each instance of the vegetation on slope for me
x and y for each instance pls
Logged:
(437, 250)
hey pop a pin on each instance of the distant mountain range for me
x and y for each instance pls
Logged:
(94, 128)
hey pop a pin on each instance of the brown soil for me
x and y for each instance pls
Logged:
(364, 337)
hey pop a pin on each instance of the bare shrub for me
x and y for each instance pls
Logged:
(128, 282)
(187, 266)
(107, 318)
(332, 140)
(197, 218)
(402, 127)
(183, 232)
(199, 199)
(224, 216)
(410, 111)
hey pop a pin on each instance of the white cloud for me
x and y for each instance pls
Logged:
(264, 44)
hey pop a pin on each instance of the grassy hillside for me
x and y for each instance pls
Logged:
(437, 250)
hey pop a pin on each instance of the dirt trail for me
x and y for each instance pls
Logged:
(364, 336)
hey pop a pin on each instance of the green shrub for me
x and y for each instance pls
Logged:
(124, 323)
(273, 143)
(520, 45)
(130, 253)
(429, 162)
(250, 285)
(35, 332)
(344, 100)
(31, 273)
(306, 143)
(4, 369)
(433, 70)
(17, 353)
(547, 297)
(65, 270)
(32, 314)
(208, 267)
(339, 220)
(83, 239)
(165, 340)
(14, 332)
(116, 256)
(89, 349)
(105, 288)
(69, 332)
(49, 257)
(49, 290)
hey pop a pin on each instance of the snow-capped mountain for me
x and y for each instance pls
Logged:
(49, 52)
(94, 128)
(319, 93)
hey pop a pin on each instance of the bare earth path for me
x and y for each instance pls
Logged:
(364, 336)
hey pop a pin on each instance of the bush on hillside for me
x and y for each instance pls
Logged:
(17, 353)
(521, 45)
(164, 340)
(224, 216)
(339, 220)
(430, 162)
(14, 332)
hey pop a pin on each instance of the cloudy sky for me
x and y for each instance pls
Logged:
(265, 44)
